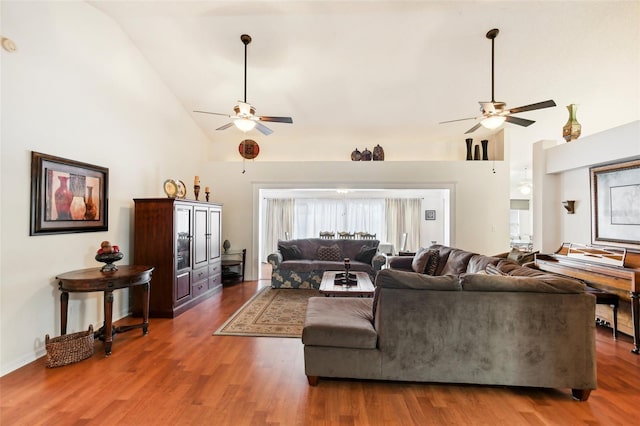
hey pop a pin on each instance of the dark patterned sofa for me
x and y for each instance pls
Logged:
(300, 263)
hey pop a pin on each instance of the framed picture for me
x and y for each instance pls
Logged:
(429, 215)
(67, 196)
(615, 210)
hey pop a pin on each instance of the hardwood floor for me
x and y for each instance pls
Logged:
(180, 374)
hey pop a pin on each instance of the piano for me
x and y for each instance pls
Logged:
(605, 268)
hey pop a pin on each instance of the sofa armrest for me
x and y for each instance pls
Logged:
(275, 259)
(401, 262)
(378, 261)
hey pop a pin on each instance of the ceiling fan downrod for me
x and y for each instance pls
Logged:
(492, 34)
(246, 39)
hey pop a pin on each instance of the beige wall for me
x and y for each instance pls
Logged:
(76, 88)
(480, 198)
(561, 172)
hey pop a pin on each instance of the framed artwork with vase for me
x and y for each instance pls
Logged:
(67, 196)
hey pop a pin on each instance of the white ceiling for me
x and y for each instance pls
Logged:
(362, 71)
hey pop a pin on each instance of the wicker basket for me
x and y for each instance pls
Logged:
(69, 348)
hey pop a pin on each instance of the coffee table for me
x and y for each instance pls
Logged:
(363, 288)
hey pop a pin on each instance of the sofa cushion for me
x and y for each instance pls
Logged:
(329, 253)
(290, 252)
(479, 262)
(392, 278)
(456, 262)
(425, 261)
(366, 253)
(545, 283)
(306, 265)
(525, 271)
(507, 266)
(344, 322)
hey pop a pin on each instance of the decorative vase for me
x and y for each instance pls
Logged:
(571, 130)
(378, 153)
(226, 245)
(356, 155)
(92, 209)
(63, 198)
(476, 152)
(485, 149)
(108, 259)
(366, 155)
(469, 143)
(77, 208)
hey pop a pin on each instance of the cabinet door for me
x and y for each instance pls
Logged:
(200, 236)
(182, 218)
(215, 229)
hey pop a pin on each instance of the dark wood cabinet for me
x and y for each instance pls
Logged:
(181, 238)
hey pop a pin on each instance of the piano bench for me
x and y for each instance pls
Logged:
(606, 298)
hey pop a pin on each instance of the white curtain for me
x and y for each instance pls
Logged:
(403, 215)
(278, 222)
(315, 215)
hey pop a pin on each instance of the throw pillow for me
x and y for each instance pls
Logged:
(432, 262)
(330, 253)
(290, 253)
(426, 261)
(521, 257)
(493, 270)
(366, 253)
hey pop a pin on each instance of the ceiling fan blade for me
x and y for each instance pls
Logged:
(473, 129)
(519, 121)
(459, 119)
(539, 105)
(213, 113)
(263, 129)
(226, 126)
(277, 119)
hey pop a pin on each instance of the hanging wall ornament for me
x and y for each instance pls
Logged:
(249, 149)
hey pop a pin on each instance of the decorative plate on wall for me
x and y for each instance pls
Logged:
(249, 149)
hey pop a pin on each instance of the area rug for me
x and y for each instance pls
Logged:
(270, 313)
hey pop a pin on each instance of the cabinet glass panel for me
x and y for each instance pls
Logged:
(183, 237)
(214, 241)
(200, 236)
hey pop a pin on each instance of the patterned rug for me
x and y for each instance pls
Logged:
(270, 313)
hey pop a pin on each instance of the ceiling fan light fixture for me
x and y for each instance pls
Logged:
(244, 124)
(493, 121)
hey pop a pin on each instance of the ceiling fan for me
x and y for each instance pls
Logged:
(245, 118)
(495, 113)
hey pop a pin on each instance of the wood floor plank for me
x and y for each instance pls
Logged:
(181, 374)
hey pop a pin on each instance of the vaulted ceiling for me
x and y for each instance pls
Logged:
(364, 72)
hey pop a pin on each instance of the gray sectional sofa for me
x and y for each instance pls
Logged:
(300, 263)
(512, 326)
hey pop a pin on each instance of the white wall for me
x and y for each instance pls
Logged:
(480, 198)
(76, 88)
(561, 172)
